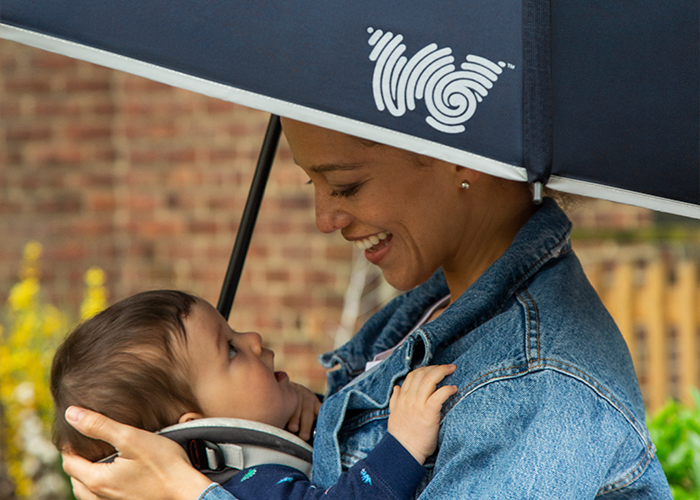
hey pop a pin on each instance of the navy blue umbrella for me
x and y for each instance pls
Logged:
(599, 98)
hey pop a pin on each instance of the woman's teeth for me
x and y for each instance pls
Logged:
(369, 242)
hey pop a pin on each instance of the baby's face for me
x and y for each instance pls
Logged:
(232, 375)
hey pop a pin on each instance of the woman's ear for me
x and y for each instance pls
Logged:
(466, 174)
(189, 416)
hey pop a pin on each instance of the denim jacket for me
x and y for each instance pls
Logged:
(548, 404)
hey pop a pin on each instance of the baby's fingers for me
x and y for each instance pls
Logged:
(424, 380)
(438, 398)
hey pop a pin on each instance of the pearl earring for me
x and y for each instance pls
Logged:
(465, 185)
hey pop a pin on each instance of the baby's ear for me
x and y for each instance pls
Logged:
(189, 416)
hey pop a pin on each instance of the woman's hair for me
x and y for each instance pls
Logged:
(124, 363)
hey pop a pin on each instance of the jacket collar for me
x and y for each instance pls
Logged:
(544, 237)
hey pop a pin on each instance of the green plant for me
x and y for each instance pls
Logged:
(29, 335)
(675, 430)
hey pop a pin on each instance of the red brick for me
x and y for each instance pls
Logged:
(61, 203)
(82, 132)
(140, 203)
(48, 60)
(318, 278)
(297, 252)
(56, 108)
(296, 203)
(220, 106)
(9, 109)
(87, 85)
(8, 208)
(134, 83)
(298, 301)
(106, 154)
(279, 275)
(8, 62)
(339, 252)
(96, 228)
(96, 180)
(157, 228)
(199, 227)
(152, 131)
(27, 133)
(68, 251)
(100, 201)
(29, 85)
(55, 155)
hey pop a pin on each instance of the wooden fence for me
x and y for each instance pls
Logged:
(654, 296)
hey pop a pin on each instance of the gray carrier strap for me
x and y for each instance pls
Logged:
(220, 447)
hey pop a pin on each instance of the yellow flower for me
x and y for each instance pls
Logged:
(23, 294)
(32, 251)
(95, 297)
(95, 277)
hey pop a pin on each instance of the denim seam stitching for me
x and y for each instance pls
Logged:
(530, 304)
(633, 474)
(598, 388)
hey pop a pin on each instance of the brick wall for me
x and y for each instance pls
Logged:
(149, 182)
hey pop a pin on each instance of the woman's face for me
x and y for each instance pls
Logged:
(409, 217)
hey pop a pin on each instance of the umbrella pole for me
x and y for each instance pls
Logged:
(250, 215)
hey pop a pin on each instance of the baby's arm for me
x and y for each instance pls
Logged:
(415, 409)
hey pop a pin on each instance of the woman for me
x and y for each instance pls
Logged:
(548, 403)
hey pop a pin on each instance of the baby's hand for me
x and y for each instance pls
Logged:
(304, 416)
(415, 409)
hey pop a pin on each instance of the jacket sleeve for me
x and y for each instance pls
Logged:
(388, 472)
(544, 435)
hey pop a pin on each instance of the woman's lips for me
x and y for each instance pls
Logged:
(280, 376)
(376, 253)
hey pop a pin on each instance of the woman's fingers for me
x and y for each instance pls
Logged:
(77, 468)
(97, 426)
(143, 456)
(81, 492)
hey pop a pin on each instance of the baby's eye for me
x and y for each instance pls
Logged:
(231, 351)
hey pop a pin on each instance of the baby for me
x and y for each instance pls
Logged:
(164, 357)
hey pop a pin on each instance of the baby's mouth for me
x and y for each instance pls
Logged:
(374, 242)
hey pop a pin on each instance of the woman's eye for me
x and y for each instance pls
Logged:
(231, 351)
(346, 191)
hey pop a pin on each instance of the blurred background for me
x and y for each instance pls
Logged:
(111, 184)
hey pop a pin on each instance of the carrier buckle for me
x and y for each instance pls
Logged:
(203, 454)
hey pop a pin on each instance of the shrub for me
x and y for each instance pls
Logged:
(675, 430)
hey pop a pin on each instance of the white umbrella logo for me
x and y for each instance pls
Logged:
(450, 95)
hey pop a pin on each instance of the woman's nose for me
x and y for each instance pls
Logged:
(329, 217)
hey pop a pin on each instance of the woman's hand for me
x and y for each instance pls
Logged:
(414, 418)
(149, 467)
(304, 416)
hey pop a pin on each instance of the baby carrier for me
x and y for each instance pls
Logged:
(220, 447)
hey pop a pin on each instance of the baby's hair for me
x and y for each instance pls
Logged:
(124, 364)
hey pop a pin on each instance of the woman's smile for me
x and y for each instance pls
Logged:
(376, 247)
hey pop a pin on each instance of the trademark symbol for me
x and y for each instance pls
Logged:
(511, 66)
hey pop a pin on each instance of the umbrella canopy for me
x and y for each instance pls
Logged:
(599, 98)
